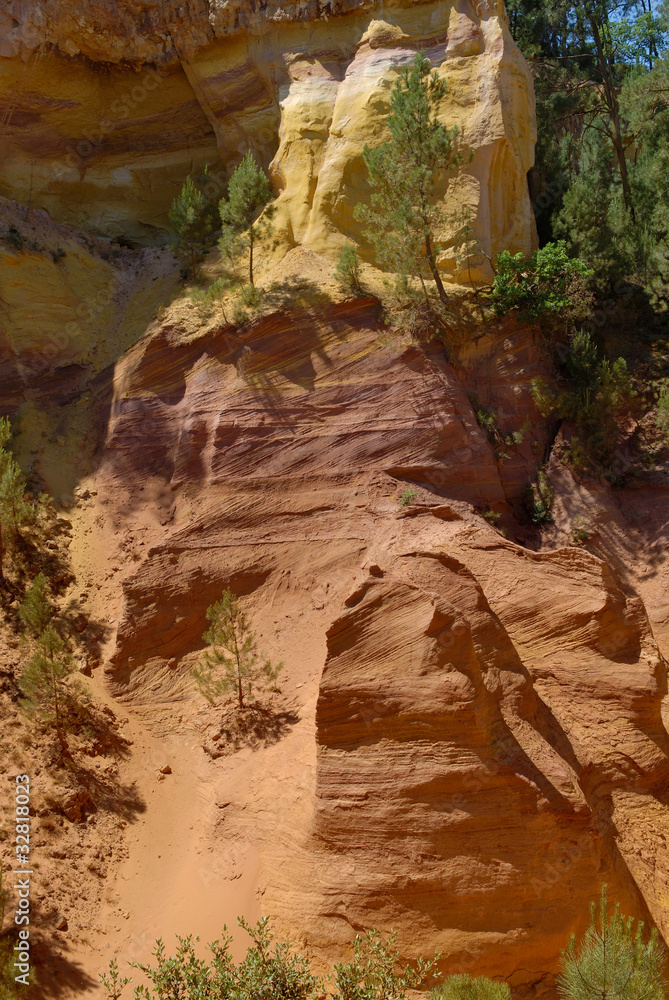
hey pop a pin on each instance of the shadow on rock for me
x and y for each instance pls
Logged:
(254, 726)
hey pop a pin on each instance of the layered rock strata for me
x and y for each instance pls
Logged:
(106, 109)
(489, 740)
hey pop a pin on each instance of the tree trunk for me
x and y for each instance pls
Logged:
(62, 739)
(434, 270)
(251, 255)
(614, 113)
(240, 690)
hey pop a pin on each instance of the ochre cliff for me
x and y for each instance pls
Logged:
(105, 109)
(489, 740)
(481, 741)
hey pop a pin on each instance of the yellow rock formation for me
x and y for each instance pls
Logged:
(104, 142)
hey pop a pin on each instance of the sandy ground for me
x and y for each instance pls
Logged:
(198, 855)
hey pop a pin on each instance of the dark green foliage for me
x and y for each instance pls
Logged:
(191, 221)
(232, 662)
(347, 271)
(247, 212)
(464, 987)
(539, 499)
(488, 421)
(36, 611)
(44, 684)
(403, 220)
(600, 395)
(540, 285)
(662, 413)
(601, 180)
(613, 962)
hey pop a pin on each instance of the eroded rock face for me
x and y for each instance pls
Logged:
(489, 739)
(480, 759)
(102, 129)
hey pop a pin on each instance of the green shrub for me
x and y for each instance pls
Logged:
(539, 499)
(600, 396)
(540, 285)
(464, 987)
(270, 972)
(44, 685)
(347, 271)
(251, 296)
(408, 497)
(488, 421)
(662, 413)
(15, 511)
(373, 972)
(580, 533)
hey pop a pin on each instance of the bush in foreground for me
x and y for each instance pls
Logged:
(271, 972)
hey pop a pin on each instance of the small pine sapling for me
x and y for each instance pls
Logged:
(44, 684)
(247, 213)
(613, 962)
(232, 661)
(191, 223)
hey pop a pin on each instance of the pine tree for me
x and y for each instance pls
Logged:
(44, 686)
(14, 510)
(191, 223)
(232, 662)
(403, 219)
(613, 962)
(36, 611)
(247, 212)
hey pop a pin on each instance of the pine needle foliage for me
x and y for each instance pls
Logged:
(403, 219)
(247, 213)
(613, 962)
(232, 661)
(599, 398)
(43, 684)
(191, 223)
(465, 987)
(36, 611)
